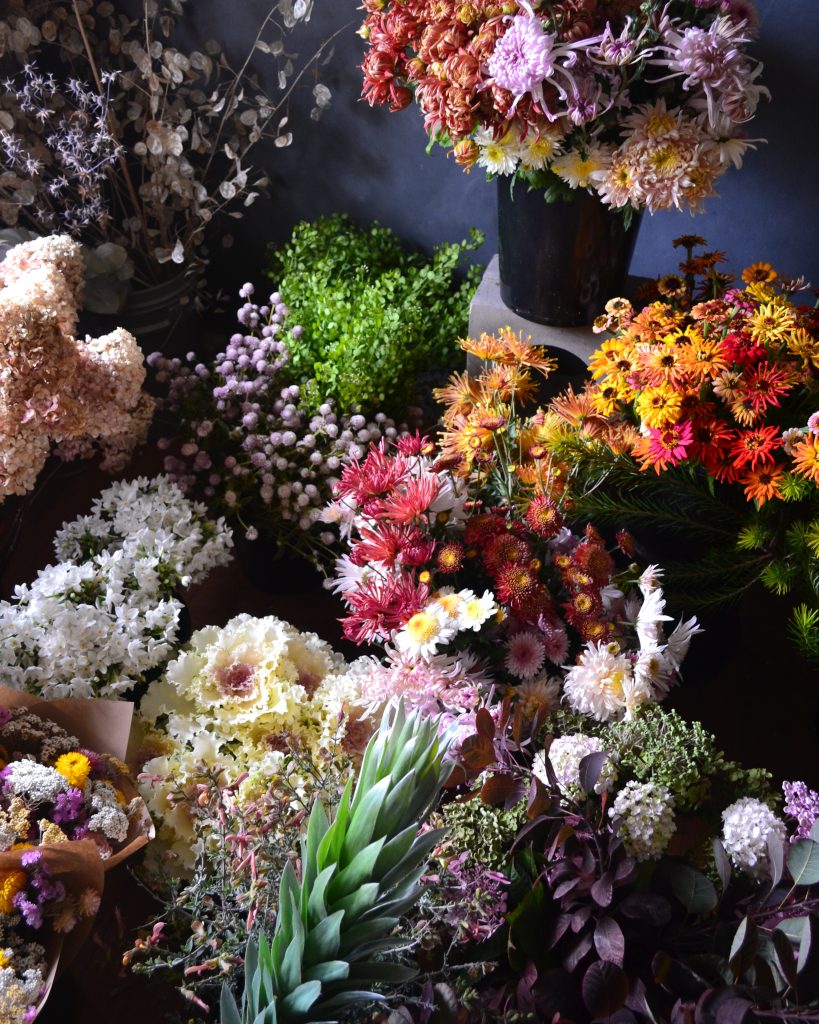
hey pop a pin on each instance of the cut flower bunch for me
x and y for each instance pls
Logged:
(249, 444)
(641, 103)
(460, 560)
(705, 400)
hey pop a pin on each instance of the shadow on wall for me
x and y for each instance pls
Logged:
(372, 165)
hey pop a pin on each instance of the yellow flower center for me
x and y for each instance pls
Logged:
(423, 627)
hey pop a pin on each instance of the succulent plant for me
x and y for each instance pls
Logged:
(360, 874)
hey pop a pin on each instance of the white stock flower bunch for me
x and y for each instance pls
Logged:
(99, 621)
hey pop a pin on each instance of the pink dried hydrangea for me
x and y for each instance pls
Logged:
(57, 392)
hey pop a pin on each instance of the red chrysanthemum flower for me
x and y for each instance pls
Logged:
(543, 516)
(506, 549)
(741, 349)
(411, 500)
(450, 558)
(626, 543)
(752, 448)
(518, 586)
(711, 436)
(482, 528)
(415, 444)
(384, 542)
(592, 557)
(382, 605)
(374, 477)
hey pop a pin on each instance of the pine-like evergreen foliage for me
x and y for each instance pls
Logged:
(360, 874)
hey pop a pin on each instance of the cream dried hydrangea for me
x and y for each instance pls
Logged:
(747, 826)
(59, 392)
(646, 819)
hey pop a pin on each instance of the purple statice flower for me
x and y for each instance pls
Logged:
(30, 857)
(68, 806)
(32, 912)
(5, 717)
(50, 890)
(802, 804)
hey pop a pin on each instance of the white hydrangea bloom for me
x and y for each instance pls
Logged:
(565, 754)
(646, 813)
(747, 825)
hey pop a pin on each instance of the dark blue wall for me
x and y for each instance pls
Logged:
(372, 163)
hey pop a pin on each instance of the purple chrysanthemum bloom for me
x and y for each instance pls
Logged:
(802, 804)
(523, 56)
(813, 423)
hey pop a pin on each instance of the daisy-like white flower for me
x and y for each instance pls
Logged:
(497, 156)
(525, 654)
(653, 673)
(350, 576)
(424, 632)
(598, 684)
(478, 610)
(538, 149)
(582, 171)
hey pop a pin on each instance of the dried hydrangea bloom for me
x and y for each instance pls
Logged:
(54, 388)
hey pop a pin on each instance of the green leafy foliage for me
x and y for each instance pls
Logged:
(359, 875)
(373, 314)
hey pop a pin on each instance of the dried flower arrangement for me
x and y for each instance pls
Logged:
(132, 142)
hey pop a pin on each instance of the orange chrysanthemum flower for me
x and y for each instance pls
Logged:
(806, 457)
(763, 483)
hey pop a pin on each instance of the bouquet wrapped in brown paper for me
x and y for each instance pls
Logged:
(68, 813)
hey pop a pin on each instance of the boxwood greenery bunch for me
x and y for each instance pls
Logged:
(372, 314)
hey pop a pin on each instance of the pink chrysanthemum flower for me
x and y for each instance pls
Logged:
(555, 641)
(525, 654)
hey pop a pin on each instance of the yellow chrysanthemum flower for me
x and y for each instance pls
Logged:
(771, 323)
(11, 882)
(74, 767)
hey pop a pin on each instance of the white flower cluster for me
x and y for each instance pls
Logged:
(646, 813)
(565, 755)
(19, 988)
(35, 783)
(109, 817)
(149, 518)
(608, 683)
(98, 622)
(747, 825)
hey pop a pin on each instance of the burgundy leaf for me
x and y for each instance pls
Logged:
(605, 989)
(609, 941)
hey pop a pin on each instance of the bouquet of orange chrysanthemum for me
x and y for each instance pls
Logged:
(722, 384)
(700, 412)
(461, 562)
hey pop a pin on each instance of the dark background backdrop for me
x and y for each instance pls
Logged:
(372, 164)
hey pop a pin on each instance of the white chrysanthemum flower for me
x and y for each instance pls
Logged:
(538, 149)
(747, 825)
(579, 171)
(425, 631)
(538, 695)
(565, 755)
(650, 618)
(497, 156)
(600, 683)
(680, 640)
(646, 813)
(477, 611)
